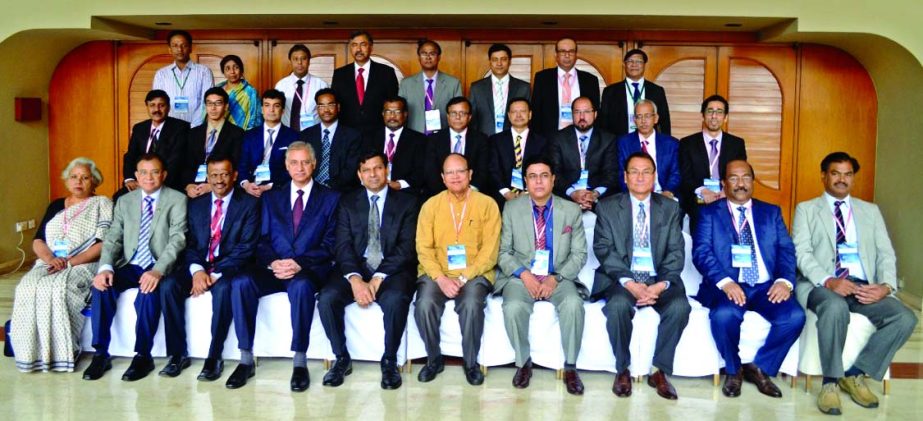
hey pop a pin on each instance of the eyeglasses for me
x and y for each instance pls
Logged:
(636, 173)
(326, 106)
(747, 179)
(428, 54)
(545, 176)
(634, 61)
(455, 172)
(712, 111)
(214, 103)
(584, 112)
(566, 52)
(393, 112)
(458, 114)
(154, 173)
(644, 116)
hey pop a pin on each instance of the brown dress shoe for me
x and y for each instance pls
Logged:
(659, 381)
(622, 385)
(573, 383)
(523, 375)
(763, 383)
(732, 383)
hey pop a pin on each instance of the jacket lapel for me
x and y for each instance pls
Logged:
(363, 207)
(624, 220)
(864, 236)
(229, 218)
(826, 222)
(284, 209)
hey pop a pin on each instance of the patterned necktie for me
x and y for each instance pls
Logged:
(215, 238)
(712, 155)
(583, 147)
(751, 274)
(644, 147)
(458, 144)
(152, 141)
(389, 148)
(323, 170)
(499, 104)
(360, 86)
(295, 112)
(428, 100)
(210, 143)
(540, 240)
(641, 240)
(267, 148)
(517, 150)
(566, 91)
(143, 256)
(637, 95)
(298, 210)
(840, 271)
(373, 252)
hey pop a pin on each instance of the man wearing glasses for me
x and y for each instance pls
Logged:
(337, 145)
(428, 91)
(216, 136)
(616, 113)
(555, 89)
(459, 139)
(662, 147)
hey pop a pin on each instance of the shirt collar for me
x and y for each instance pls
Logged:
(649, 139)
(332, 128)
(453, 133)
(524, 133)
(635, 201)
(382, 195)
(306, 189)
(588, 134)
(275, 129)
(831, 201)
(155, 195)
(631, 83)
(217, 126)
(225, 200)
(505, 79)
(397, 133)
(748, 205)
(366, 66)
(708, 137)
(435, 78)
(572, 72)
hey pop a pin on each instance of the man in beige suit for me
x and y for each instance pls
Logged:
(847, 264)
(148, 232)
(542, 249)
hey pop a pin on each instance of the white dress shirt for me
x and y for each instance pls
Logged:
(156, 196)
(225, 203)
(761, 266)
(397, 138)
(293, 195)
(453, 139)
(849, 218)
(312, 84)
(380, 204)
(365, 73)
(630, 101)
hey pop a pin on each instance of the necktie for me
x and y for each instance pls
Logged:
(389, 148)
(152, 141)
(636, 96)
(583, 147)
(373, 252)
(752, 273)
(298, 210)
(641, 240)
(295, 112)
(565, 92)
(428, 100)
(712, 158)
(458, 144)
(267, 148)
(540, 240)
(840, 272)
(323, 171)
(215, 238)
(210, 143)
(360, 86)
(143, 256)
(644, 147)
(517, 150)
(499, 103)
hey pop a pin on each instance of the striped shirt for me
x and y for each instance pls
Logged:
(191, 83)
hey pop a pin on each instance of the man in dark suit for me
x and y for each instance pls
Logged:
(639, 244)
(337, 145)
(376, 262)
(492, 95)
(161, 134)
(511, 148)
(294, 255)
(404, 148)
(262, 156)
(361, 106)
(553, 90)
(616, 113)
(461, 139)
(585, 158)
(747, 261)
(215, 136)
(222, 236)
(703, 157)
(663, 148)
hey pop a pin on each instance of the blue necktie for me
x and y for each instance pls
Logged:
(143, 256)
(637, 95)
(323, 170)
(751, 274)
(458, 144)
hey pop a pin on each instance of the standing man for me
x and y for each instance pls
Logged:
(404, 148)
(619, 99)
(663, 148)
(554, 90)
(184, 81)
(428, 91)
(375, 255)
(300, 111)
(492, 95)
(458, 235)
(848, 265)
(459, 139)
(363, 84)
(147, 234)
(639, 244)
(542, 250)
(161, 134)
(216, 136)
(337, 145)
(262, 156)
(511, 148)
(747, 261)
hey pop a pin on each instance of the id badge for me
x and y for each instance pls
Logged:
(849, 257)
(567, 113)
(307, 120)
(741, 256)
(642, 260)
(181, 104)
(499, 119)
(584, 181)
(433, 121)
(516, 179)
(458, 260)
(389, 172)
(200, 174)
(631, 122)
(712, 184)
(541, 263)
(59, 247)
(262, 173)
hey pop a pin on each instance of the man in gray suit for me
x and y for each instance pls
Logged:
(148, 232)
(542, 249)
(490, 96)
(847, 264)
(639, 244)
(428, 91)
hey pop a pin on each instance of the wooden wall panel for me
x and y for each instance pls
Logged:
(325, 58)
(688, 74)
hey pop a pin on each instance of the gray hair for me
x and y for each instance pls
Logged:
(646, 101)
(301, 146)
(84, 162)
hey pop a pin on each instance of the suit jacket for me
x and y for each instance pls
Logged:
(477, 152)
(228, 144)
(344, 154)
(711, 250)
(613, 113)
(239, 234)
(398, 235)
(517, 241)
(408, 157)
(503, 158)
(545, 107)
(613, 240)
(413, 89)
(694, 166)
(312, 246)
(168, 230)
(251, 154)
(667, 159)
(382, 83)
(600, 161)
(481, 95)
(170, 145)
(815, 241)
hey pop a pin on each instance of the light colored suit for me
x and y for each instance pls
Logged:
(517, 250)
(168, 236)
(413, 89)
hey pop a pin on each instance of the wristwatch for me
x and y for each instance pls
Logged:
(463, 279)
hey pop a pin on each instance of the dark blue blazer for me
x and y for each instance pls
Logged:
(667, 159)
(239, 234)
(251, 154)
(398, 234)
(312, 246)
(711, 250)
(345, 149)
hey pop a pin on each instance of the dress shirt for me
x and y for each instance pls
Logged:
(225, 203)
(630, 102)
(294, 193)
(365, 73)
(397, 138)
(549, 235)
(504, 83)
(522, 145)
(156, 196)
(635, 208)
(849, 218)
(707, 138)
(380, 204)
(652, 151)
(195, 79)
(763, 272)
(574, 84)
(312, 84)
(589, 139)
(453, 135)
(154, 127)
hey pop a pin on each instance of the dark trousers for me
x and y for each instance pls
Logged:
(786, 319)
(246, 290)
(393, 296)
(673, 307)
(174, 289)
(469, 304)
(105, 303)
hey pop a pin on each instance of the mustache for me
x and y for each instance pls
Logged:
(740, 189)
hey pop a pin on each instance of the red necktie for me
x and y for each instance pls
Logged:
(360, 86)
(644, 147)
(215, 238)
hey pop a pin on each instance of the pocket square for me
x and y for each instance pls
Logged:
(568, 229)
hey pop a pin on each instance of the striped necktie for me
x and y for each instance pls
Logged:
(143, 256)
(840, 271)
(323, 171)
(751, 274)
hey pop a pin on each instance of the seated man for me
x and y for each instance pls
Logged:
(214, 136)
(540, 260)
(747, 261)
(857, 275)
(223, 231)
(375, 255)
(294, 255)
(147, 234)
(458, 233)
(262, 156)
(639, 244)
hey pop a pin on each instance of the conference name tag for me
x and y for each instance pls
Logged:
(516, 179)
(712, 184)
(642, 260)
(499, 119)
(389, 172)
(567, 113)
(433, 122)
(584, 181)
(849, 257)
(741, 256)
(307, 120)
(59, 247)
(181, 104)
(541, 263)
(631, 122)
(457, 258)
(262, 173)
(200, 174)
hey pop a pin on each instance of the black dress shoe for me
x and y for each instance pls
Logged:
(390, 376)
(140, 367)
(240, 375)
(212, 369)
(99, 366)
(175, 366)
(300, 379)
(763, 383)
(474, 376)
(523, 375)
(431, 369)
(732, 383)
(342, 367)
(622, 384)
